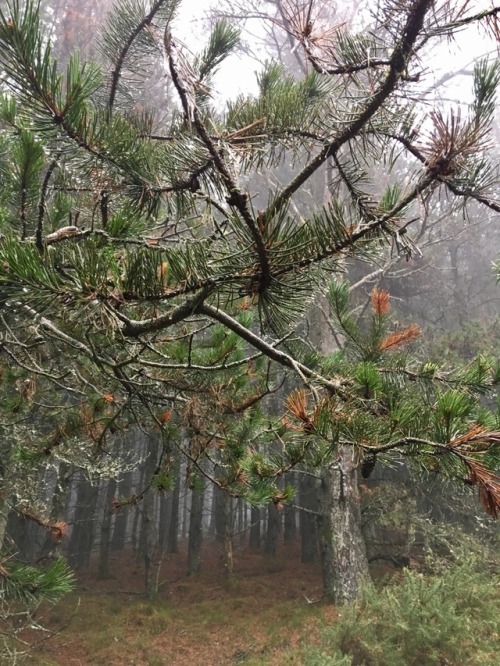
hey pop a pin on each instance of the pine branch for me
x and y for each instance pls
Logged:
(398, 62)
(487, 481)
(133, 329)
(268, 349)
(237, 198)
(120, 60)
(42, 205)
(363, 231)
(447, 182)
(488, 15)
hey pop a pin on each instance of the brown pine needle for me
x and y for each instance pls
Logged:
(489, 486)
(297, 405)
(471, 435)
(380, 302)
(400, 338)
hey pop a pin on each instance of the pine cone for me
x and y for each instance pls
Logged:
(368, 464)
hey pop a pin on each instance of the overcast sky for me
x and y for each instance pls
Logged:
(238, 73)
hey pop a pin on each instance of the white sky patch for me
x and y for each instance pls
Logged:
(237, 74)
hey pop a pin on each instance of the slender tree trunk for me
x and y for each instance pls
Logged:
(59, 506)
(195, 537)
(148, 543)
(123, 490)
(185, 516)
(4, 512)
(147, 546)
(255, 519)
(240, 528)
(308, 497)
(173, 525)
(290, 524)
(165, 502)
(228, 534)
(82, 537)
(5, 453)
(273, 530)
(137, 520)
(343, 555)
(164, 520)
(105, 545)
(220, 514)
(119, 538)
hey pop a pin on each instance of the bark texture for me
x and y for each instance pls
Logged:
(343, 555)
(195, 526)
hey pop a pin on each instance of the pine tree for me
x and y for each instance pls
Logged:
(152, 273)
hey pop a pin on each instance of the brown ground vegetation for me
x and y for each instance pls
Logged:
(258, 615)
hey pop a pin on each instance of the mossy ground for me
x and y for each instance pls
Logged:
(264, 614)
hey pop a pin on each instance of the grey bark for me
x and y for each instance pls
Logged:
(164, 520)
(82, 537)
(195, 537)
(308, 498)
(290, 523)
(119, 537)
(173, 525)
(105, 544)
(148, 543)
(273, 530)
(5, 453)
(228, 534)
(255, 520)
(343, 556)
(219, 514)
(147, 546)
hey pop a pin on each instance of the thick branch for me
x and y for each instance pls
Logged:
(266, 348)
(133, 328)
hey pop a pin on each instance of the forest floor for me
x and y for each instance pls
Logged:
(258, 615)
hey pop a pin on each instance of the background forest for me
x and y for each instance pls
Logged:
(248, 318)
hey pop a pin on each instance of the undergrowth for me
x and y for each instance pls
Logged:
(451, 618)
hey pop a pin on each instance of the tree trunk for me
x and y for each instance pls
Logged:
(255, 519)
(124, 490)
(308, 497)
(105, 545)
(147, 546)
(195, 526)
(343, 555)
(290, 524)
(82, 536)
(185, 515)
(273, 530)
(137, 519)
(164, 520)
(4, 512)
(220, 513)
(173, 525)
(59, 506)
(5, 449)
(240, 527)
(148, 538)
(228, 533)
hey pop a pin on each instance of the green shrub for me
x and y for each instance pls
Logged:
(453, 618)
